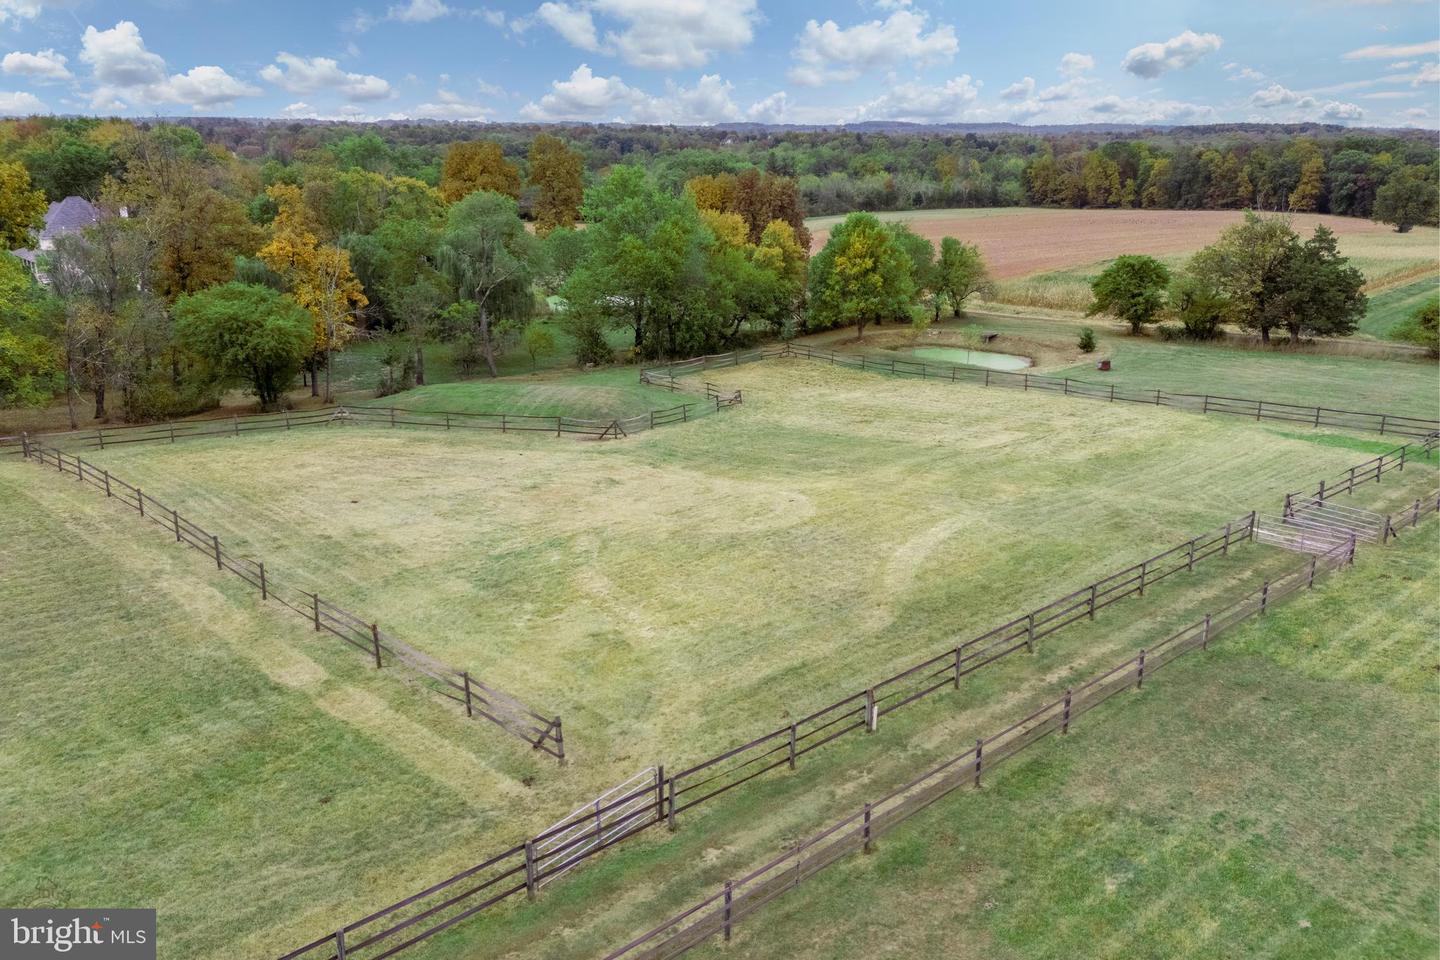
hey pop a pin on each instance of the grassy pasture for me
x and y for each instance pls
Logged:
(669, 595)
(1390, 307)
(601, 394)
(1274, 797)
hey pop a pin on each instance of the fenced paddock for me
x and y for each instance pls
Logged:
(718, 913)
(475, 697)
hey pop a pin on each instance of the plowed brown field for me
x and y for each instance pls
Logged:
(1019, 241)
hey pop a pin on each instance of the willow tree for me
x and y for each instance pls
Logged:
(490, 260)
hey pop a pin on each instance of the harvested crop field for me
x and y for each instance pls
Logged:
(1019, 241)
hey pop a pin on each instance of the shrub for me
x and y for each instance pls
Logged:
(1422, 327)
(1171, 332)
(1087, 340)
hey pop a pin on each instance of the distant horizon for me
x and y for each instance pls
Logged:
(724, 61)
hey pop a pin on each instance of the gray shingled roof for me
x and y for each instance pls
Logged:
(70, 215)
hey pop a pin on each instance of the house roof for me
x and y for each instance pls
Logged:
(70, 215)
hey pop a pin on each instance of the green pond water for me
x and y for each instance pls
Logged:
(971, 358)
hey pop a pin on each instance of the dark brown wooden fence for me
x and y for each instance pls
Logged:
(737, 899)
(478, 699)
(604, 429)
(527, 865)
(1382, 423)
(1368, 472)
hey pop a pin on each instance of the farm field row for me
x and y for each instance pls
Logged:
(655, 593)
(1046, 259)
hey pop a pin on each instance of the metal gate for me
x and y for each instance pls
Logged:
(623, 809)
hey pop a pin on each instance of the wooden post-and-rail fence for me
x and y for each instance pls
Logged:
(478, 699)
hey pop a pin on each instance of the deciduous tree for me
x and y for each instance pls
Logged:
(245, 333)
(1407, 198)
(477, 165)
(960, 273)
(22, 208)
(490, 259)
(559, 174)
(860, 276)
(1132, 289)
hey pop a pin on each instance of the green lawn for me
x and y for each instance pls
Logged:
(597, 395)
(669, 596)
(1396, 304)
(1274, 797)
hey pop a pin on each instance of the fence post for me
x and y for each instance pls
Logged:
(1065, 717)
(465, 682)
(865, 831)
(1205, 407)
(340, 944)
(1415, 518)
(25, 444)
(1144, 569)
(172, 433)
(1287, 512)
(1310, 580)
(375, 641)
(316, 598)
(1205, 634)
(1322, 491)
(287, 419)
(1066, 388)
(1190, 565)
(1265, 596)
(1259, 406)
(215, 542)
(727, 910)
(659, 792)
(1352, 550)
(1250, 530)
(107, 482)
(559, 742)
(175, 519)
(100, 436)
(1402, 457)
(1093, 588)
(1388, 532)
(670, 812)
(557, 422)
(530, 885)
(792, 745)
(1157, 398)
(1382, 424)
(264, 587)
(1140, 675)
(1317, 416)
(957, 668)
(872, 717)
(979, 759)
(1030, 633)
(1225, 549)
(1112, 393)
(1352, 481)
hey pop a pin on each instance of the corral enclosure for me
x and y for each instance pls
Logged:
(691, 585)
(671, 596)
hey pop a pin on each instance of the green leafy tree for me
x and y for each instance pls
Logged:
(861, 276)
(961, 272)
(247, 333)
(1407, 198)
(490, 260)
(1132, 289)
(538, 342)
(1087, 340)
(22, 209)
(29, 358)
(1421, 328)
(1199, 306)
(1319, 292)
(920, 253)
(1246, 266)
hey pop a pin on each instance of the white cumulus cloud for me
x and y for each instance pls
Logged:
(124, 70)
(1019, 90)
(656, 34)
(1335, 110)
(304, 75)
(20, 103)
(583, 96)
(1180, 51)
(44, 66)
(923, 103)
(586, 96)
(827, 52)
(1277, 95)
(18, 10)
(1074, 64)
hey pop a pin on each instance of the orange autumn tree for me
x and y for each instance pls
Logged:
(318, 275)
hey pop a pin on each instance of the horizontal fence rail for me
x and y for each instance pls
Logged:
(598, 429)
(477, 698)
(1382, 423)
(653, 799)
(736, 899)
(1368, 472)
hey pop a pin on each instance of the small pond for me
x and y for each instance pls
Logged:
(971, 358)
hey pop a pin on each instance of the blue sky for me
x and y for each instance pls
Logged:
(704, 61)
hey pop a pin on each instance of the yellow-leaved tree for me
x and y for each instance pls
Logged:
(22, 208)
(318, 275)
